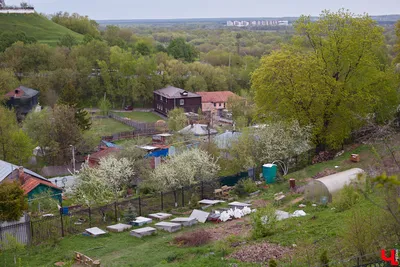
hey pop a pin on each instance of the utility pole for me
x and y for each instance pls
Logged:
(73, 156)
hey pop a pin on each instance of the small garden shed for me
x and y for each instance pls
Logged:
(321, 190)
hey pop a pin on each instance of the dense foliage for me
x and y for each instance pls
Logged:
(12, 201)
(331, 77)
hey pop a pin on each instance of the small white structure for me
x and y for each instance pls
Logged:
(210, 202)
(238, 205)
(169, 226)
(200, 216)
(321, 190)
(160, 216)
(120, 227)
(143, 231)
(140, 221)
(185, 221)
(95, 231)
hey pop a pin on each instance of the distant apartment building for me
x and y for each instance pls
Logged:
(255, 23)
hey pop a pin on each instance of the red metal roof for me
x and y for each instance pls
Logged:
(95, 157)
(32, 182)
(216, 97)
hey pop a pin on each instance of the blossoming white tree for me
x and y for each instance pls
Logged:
(96, 186)
(187, 168)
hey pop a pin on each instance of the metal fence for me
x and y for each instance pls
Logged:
(37, 231)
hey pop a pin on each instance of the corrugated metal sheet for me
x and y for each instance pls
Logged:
(7, 168)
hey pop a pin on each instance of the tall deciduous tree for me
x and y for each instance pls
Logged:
(55, 130)
(176, 119)
(15, 146)
(179, 49)
(331, 77)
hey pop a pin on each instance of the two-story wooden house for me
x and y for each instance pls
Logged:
(171, 97)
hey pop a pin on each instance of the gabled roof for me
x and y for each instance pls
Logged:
(32, 182)
(173, 92)
(7, 168)
(197, 129)
(101, 154)
(216, 97)
(225, 140)
(22, 92)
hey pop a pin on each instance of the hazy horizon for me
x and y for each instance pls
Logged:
(185, 9)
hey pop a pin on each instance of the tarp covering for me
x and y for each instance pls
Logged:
(321, 190)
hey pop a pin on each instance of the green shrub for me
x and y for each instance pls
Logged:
(263, 222)
(346, 198)
(323, 259)
(245, 187)
(272, 263)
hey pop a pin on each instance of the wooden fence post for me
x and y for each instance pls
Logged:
(162, 201)
(202, 190)
(140, 207)
(90, 218)
(62, 223)
(115, 212)
(183, 197)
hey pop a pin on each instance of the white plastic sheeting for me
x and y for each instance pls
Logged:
(321, 190)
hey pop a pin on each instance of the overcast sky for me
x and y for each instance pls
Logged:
(161, 9)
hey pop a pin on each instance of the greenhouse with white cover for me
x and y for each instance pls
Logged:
(321, 190)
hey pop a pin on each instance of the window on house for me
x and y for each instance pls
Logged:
(215, 105)
(161, 98)
(182, 102)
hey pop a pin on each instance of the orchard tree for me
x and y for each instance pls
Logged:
(187, 168)
(90, 189)
(330, 78)
(275, 141)
(115, 172)
(397, 45)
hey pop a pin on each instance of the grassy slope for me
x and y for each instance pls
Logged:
(34, 25)
(140, 116)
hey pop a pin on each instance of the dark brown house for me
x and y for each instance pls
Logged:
(171, 97)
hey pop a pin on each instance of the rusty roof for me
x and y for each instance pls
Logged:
(216, 97)
(32, 182)
(22, 92)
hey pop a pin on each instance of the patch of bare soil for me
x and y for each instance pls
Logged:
(260, 253)
(238, 227)
(259, 203)
(324, 173)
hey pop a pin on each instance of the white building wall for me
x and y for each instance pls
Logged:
(17, 11)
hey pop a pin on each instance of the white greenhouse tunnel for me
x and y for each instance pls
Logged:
(321, 190)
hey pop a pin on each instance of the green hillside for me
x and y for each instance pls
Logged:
(34, 25)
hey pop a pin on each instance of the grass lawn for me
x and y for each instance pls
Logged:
(104, 127)
(120, 249)
(140, 116)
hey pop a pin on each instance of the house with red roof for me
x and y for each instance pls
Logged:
(215, 101)
(94, 159)
(31, 182)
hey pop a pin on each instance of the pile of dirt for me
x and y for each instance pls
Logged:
(260, 253)
(324, 173)
(323, 156)
(238, 227)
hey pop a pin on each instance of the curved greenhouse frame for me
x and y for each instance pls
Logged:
(321, 190)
